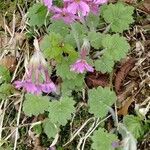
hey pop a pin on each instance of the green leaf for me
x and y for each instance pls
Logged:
(60, 111)
(79, 31)
(100, 100)
(70, 40)
(95, 39)
(51, 45)
(119, 16)
(5, 90)
(69, 85)
(92, 21)
(134, 125)
(59, 27)
(104, 64)
(58, 3)
(37, 129)
(102, 140)
(4, 75)
(63, 70)
(50, 128)
(37, 14)
(70, 51)
(116, 47)
(35, 105)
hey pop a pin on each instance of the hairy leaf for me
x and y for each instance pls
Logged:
(59, 27)
(69, 85)
(50, 128)
(116, 47)
(92, 21)
(63, 70)
(134, 125)
(5, 90)
(78, 32)
(104, 64)
(70, 40)
(60, 111)
(35, 105)
(119, 16)
(37, 14)
(51, 45)
(100, 100)
(4, 74)
(54, 47)
(102, 140)
(95, 39)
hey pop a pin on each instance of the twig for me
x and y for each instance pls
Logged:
(18, 120)
(87, 135)
(2, 114)
(79, 130)
(81, 139)
(13, 29)
(71, 123)
(24, 125)
(14, 74)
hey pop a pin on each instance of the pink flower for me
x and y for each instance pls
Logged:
(94, 5)
(80, 6)
(100, 1)
(31, 87)
(19, 84)
(115, 144)
(85, 49)
(37, 78)
(28, 86)
(48, 87)
(94, 8)
(80, 66)
(48, 3)
(64, 14)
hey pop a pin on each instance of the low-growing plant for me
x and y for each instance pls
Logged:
(81, 36)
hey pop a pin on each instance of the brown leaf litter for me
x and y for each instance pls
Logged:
(122, 73)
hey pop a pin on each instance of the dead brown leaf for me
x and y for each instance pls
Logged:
(145, 6)
(127, 92)
(124, 109)
(122, 73)
(9, 62)
(97, 79)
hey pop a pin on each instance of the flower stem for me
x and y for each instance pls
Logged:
(75, 35)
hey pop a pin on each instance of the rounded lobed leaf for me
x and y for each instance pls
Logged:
(37, 14)
(50, 128)
(60, 111)
(35, 105)
(102, 140)
(100, 100)
(119, 16)
(134, 125)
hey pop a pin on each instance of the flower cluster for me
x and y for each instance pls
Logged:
(74, 9)
(36, 79)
